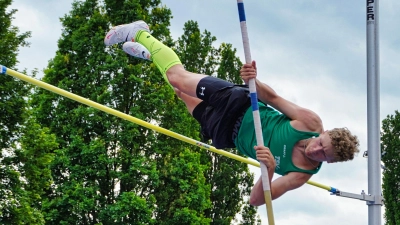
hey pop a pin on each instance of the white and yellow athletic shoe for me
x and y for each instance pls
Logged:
(125, 32)
(136, 50)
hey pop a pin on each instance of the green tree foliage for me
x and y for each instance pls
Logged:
(29, 175)
(12, 107)
(110, 171)
(390, 138)
(12, 91)
(24, 144)
(32, 159)
(101, 172)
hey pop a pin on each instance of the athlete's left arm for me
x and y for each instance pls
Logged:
(279, 187)
(287, 183)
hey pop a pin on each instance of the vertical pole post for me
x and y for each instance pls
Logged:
(256, 114)
(373, 106)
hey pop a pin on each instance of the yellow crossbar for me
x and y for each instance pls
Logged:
(5, 70)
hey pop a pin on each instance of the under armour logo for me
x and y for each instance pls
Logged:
(202, 91)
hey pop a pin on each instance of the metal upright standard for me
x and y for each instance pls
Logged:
(374, 196)
(374, 155)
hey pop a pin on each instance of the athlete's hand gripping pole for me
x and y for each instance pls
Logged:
(256, 113)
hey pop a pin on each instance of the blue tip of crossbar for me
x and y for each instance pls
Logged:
(333, 190)
(3, 69)
(242, 15)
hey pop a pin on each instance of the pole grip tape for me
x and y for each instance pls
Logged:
(254, 101)
(242, 15)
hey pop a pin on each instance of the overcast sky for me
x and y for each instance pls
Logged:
(311, 52)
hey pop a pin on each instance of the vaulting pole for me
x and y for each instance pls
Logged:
(256, 114)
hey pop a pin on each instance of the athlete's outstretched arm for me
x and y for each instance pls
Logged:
(279, 187)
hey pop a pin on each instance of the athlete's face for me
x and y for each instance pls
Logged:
(320, 149)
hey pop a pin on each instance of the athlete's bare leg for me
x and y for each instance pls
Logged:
(190, 102)
(184, 81)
